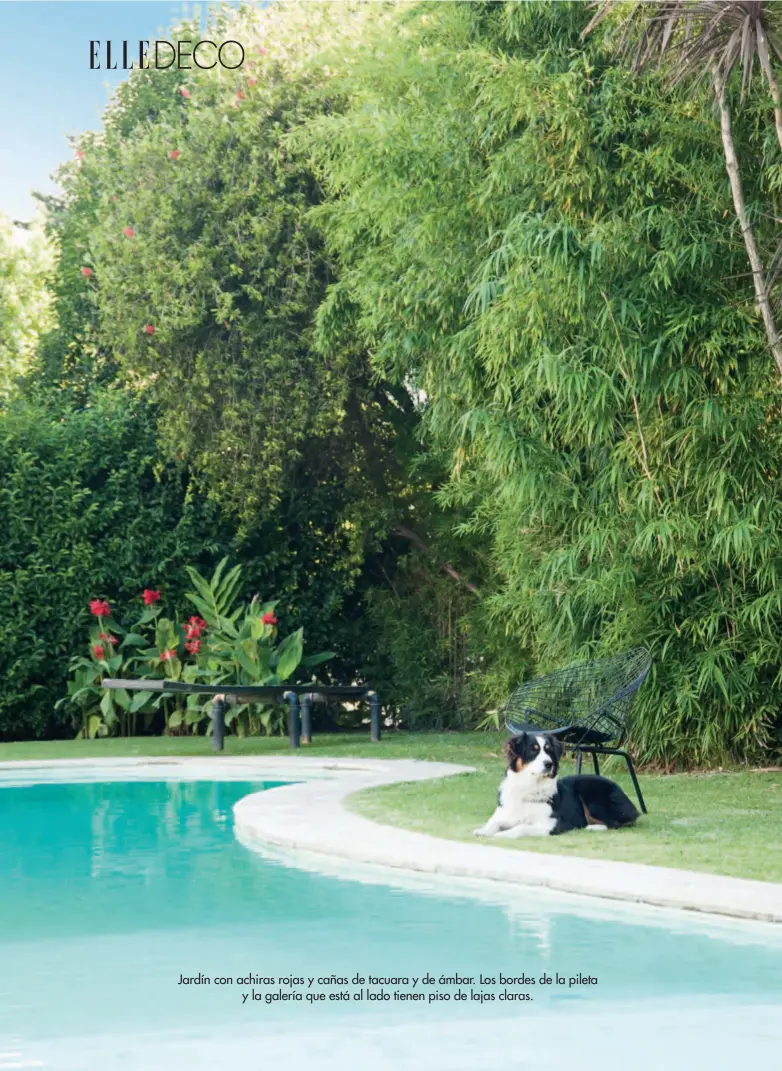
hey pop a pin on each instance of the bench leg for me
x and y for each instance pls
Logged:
(294, 728)
(374, 716)
(306, 719)
(218, 723)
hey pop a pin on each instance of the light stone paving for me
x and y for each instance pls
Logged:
(310, 815)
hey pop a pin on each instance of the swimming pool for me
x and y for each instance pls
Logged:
(111, 893)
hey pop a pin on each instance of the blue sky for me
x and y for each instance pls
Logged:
(47, 89)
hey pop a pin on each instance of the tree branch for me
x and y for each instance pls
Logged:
(415, 539)
(758, 274)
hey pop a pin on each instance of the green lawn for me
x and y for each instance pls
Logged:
(723, 822)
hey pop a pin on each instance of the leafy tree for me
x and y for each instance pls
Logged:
(25, 258)
(190, 276)
(206, 275)
(537, 243)
(694, 39)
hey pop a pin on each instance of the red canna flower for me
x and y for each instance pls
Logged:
(269, 619)
(193, 646)
(251, 81)
(195, 626)
(174, 154)
(79, 154)
(86, 272)
(103, 635)
(99, 608)
(97, 650)
(185, 91)
(262, 50)
(149, 596)
(149, 329)
(128, 232)
(240, 94)
(113, 641)
(166, 656)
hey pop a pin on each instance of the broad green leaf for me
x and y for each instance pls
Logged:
(139, 700)
(316, 659)
(225, 592)
(246, 662)
(122, 698)
(289, 654)
(206, 609)
(227, 626)
(133, 639)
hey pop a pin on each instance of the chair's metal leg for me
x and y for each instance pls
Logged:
(637, 787)
(578, 760)
(595, 763)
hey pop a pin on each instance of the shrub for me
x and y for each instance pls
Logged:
(230, 644)
(85, 506)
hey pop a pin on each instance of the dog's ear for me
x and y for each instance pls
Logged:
(513, 748)
(557, 747)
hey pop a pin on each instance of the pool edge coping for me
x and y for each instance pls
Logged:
(310, 815)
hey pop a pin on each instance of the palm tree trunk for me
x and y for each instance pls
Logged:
(771, 78)
(758, 274)
(774, 87)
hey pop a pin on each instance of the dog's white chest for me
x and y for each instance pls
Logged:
(527, 803)
(528, 813)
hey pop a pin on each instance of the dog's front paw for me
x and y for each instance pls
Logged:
(482, 831)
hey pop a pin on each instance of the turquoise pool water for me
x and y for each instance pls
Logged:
(110, 893)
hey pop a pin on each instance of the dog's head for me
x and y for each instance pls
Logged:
(536, 755)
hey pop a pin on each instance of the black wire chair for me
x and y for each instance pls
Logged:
(587, 706)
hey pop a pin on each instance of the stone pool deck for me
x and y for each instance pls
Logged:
(310, 816)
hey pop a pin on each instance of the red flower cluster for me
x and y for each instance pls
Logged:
(269, 619)
(112, 639)
(128, 232)
(99, 608)
(166, 656)
(174, 154)
(149, 329)
(193, 629)
(185, 91)
(149, 596)
(97, 650)
(86, 272)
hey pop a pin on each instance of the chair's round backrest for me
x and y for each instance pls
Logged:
(597, 694)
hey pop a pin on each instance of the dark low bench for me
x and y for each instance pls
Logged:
(225, 695)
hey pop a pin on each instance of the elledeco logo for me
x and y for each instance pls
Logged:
(165, 54)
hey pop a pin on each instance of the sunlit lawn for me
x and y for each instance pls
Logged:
(723, 822)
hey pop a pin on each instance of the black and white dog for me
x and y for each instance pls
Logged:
(533, 803)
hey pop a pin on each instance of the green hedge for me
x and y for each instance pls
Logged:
(85, 511)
